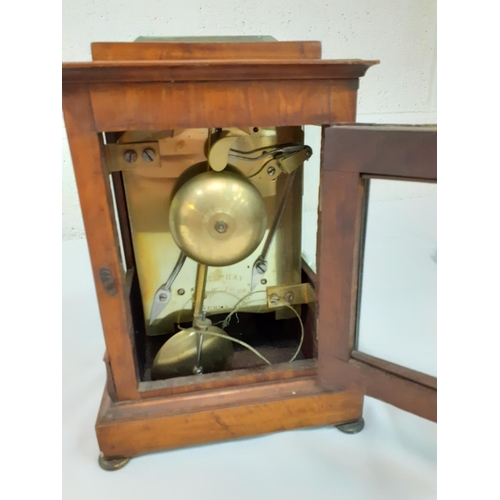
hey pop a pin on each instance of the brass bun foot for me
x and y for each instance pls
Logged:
(352, 427)
(111, 464)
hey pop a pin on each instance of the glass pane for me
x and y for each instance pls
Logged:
(397, 317)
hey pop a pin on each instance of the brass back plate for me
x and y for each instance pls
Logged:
(148, 192)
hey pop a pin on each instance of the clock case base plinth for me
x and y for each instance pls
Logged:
(134, 428)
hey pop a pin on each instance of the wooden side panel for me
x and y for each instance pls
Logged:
(110, 383)
(136, 434)
(160, 106)
(121, 207)
(174, 51)
(384, 150)
(98, 215)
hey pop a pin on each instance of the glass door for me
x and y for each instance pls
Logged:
(377, 263)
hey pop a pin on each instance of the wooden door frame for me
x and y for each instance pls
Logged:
(351, 155)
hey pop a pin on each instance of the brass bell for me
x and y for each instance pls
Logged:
(217, 218)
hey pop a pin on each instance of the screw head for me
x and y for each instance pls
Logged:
(148, 155)
(220, 226)
(130, 156)
(288, 297)
(274, 297)
(163, 297)
(271, 171)
(181, 291)
(261, 267)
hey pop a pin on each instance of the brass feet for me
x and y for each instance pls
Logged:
(352, 427)
(111, 464)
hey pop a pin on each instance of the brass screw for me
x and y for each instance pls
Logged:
(130, 156)
(274, 297)
(289, 297)
(148, 155)
(261, 267)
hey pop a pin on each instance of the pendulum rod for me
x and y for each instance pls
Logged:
(199, 292)
(199, 321)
